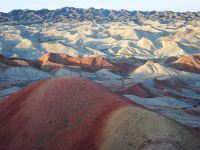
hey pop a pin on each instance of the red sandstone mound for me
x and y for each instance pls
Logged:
(51, 61)
(137, 90)
(142, 89)
(73, 113)
(57, 60)
(172, 83)
(190, 63)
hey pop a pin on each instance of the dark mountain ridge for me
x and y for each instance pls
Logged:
(91, 14)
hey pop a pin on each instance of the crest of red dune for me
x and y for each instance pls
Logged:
(74, 113)
(137, 90)
(51, 61)
(190, 63)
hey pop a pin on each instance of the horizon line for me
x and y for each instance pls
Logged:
(51, 9)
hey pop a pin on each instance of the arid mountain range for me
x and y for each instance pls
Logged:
(88, 79)
(69, 13)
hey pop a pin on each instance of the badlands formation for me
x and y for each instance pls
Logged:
(110, 82)
(189, 63)
(58, 114)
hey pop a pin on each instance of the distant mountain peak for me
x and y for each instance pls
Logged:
(26, 16)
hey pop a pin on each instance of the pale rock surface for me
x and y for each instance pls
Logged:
(24, 74)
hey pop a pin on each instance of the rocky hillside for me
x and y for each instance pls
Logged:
(69, 113)
(189, 63)
(146, 58)
(79, 14)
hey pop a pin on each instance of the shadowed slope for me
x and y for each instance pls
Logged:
(15, 62)
(73, 113)
(137, 90)
(8, 62)
(71, 13)
(190, 63)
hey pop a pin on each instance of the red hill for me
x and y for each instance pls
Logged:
(58, 60)
(73, 113)
(51, 61)
(190, 63)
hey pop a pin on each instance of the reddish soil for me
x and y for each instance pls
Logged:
(137, 90)
(63, 113)
(190, 63)
(87, 63)
(184, 98)
(170, 84)
(77, 114)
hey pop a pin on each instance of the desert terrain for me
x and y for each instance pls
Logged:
(125, 82)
